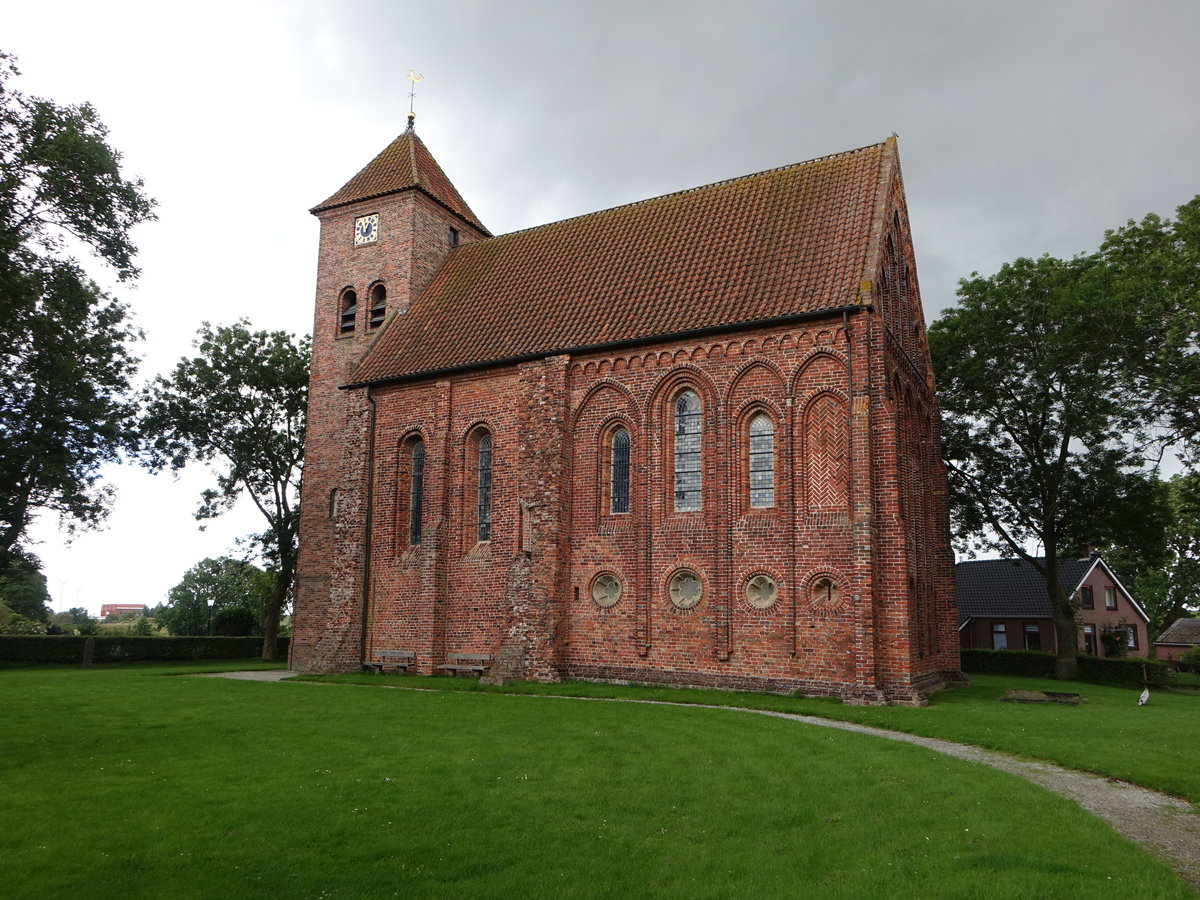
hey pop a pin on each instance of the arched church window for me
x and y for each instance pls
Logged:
(483, 492)
(618, 499)
(349, 311)
(378, 305)
(416, 492)
(762, 461)
(687, 452)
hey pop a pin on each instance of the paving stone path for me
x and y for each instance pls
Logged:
(1164, 825)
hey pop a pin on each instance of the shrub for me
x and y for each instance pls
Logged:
(122, 647)
(1026, 663)
(1035, 664)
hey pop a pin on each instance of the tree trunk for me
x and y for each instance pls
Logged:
(1066, 630)
(273, 608)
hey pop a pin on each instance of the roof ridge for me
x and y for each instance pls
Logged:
(681, 192)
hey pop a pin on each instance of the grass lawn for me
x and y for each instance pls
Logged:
(119, 782)
(1154, 745)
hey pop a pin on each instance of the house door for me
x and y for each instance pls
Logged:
(1089, 639)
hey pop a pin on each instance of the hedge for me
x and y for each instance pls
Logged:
(1133, 672)
(124, 647)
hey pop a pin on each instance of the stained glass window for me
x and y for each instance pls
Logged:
(416, 493)
(619, 472)
(762, 461)
(687, 452)
(484, 490)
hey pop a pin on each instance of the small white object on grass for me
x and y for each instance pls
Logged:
(1145, 698)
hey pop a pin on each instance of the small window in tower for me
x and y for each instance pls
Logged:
(453, 237)
(349, 314)
(378, 305)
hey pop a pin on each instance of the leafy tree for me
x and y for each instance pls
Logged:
(1163, 572)
(15, 623)
(1153, 269)
(1038, 435)
(217, 596)
(65, 366)
(240, 404)
(23, 586)
(74, 620)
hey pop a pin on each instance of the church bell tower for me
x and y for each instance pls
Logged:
(384, 235)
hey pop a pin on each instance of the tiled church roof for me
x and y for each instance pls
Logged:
(403, 165)
(778, 243)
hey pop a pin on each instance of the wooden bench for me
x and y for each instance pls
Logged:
(474, 663)
(398, 660)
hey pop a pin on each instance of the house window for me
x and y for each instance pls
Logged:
(1089, 639)
(618, 493)
(1110, 598)
(483, 490)
(453, 237)
(762, 461)
(999, 636)
(416, 492)
(1131, 640)
(1033, 636)
(687, 452)
(349, 308)
(378, 305)
(1086, 598)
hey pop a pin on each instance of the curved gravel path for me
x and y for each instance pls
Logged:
(1160, 823)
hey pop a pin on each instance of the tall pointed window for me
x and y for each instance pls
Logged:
(378, 305)
(349, 311)
(618, 497)
(762, 461)
(416, 492)
(483, 491)
(687, 452)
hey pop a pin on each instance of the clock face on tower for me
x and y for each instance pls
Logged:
(366, 229)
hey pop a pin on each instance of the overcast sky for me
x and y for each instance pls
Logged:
(1025, 128)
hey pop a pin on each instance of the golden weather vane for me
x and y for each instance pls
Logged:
(415, 77)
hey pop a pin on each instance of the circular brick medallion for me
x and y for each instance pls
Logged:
(606, 590)
(685, 589)
(762, 591)
(825, 594)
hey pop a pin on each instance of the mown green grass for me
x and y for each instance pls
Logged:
(119, 782)
(1153, 745)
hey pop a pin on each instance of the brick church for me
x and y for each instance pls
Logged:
(690, 440)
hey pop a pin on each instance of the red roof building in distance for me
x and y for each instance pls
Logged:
(115, 609)
(690, 440)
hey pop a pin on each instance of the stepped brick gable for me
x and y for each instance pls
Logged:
(691, 440)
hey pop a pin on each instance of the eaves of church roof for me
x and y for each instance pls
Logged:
(783, 243)
(404, 164)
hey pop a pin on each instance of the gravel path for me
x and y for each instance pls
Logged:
(1164, 825)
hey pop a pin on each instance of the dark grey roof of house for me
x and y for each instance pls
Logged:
(1183, 631)
(1011, 588)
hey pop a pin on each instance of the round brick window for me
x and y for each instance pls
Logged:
(825, 593)
(762, 591)
(685, 589)
(606, 590)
